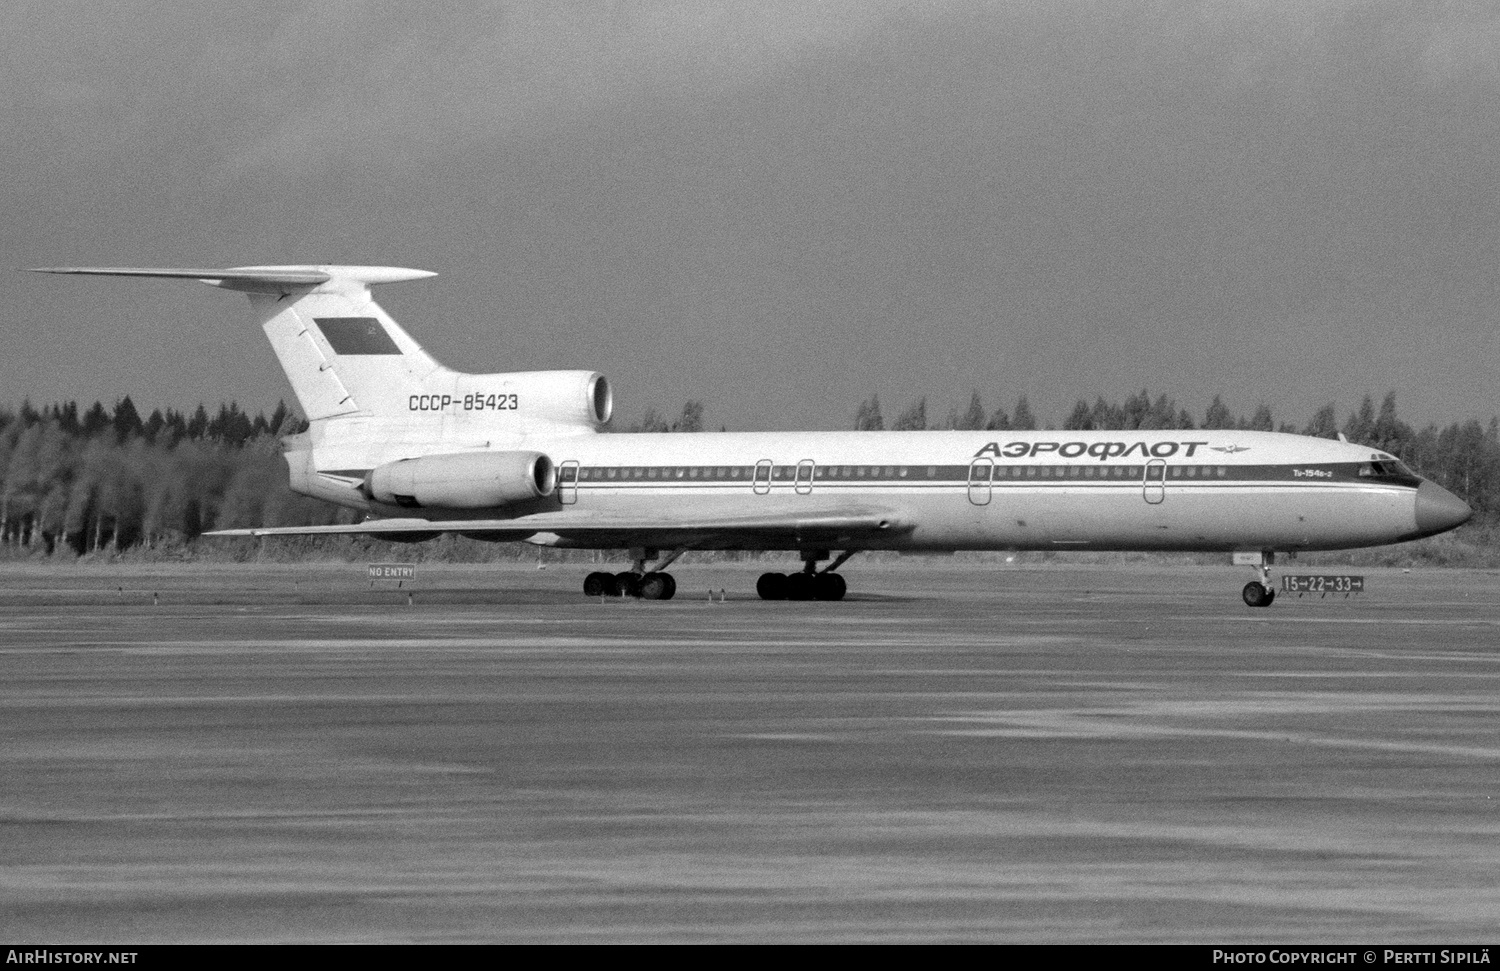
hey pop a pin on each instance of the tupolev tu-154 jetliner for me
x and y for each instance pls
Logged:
(422, 450)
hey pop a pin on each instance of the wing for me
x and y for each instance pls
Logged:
(834, 527)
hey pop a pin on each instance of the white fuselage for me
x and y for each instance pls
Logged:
(986, 490)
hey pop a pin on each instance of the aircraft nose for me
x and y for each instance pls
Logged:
(1438, 509)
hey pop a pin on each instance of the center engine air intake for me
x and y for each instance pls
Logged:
(578, 398)
(469, 480)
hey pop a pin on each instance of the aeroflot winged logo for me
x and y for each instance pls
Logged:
(1230, 449)
(1102, 451)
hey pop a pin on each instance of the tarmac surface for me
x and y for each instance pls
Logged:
(957, 752)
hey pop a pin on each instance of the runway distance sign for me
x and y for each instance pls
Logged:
(1322, 584)
(392, 571)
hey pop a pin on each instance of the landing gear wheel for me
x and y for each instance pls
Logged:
(1258, 595)
(829, 586)
(771, 586)
(600, 585)
(628, 583)
(801, 586)
(657, 586)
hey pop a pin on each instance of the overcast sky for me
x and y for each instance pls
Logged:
(777, 208)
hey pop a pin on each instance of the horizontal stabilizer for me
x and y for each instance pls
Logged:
(257, 278)
(241, 278)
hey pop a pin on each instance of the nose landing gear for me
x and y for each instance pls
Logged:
(1258, 593)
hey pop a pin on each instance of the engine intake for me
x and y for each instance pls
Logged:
(469, 480)
(575, 398)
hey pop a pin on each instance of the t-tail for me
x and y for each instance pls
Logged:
(371, 394)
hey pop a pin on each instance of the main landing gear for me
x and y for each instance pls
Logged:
(654, 585)
(810, 584)
(1258, 593)
(637, 581)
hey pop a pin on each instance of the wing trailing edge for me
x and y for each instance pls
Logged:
(843, 523)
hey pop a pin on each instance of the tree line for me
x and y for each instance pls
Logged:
(108, 479)
(105, 479)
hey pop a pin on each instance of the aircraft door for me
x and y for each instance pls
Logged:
(567, 483)
(1154, 485)
(804, 481)
(981, 472)
(762, 482)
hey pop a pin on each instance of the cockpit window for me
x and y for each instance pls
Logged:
(1386, 468)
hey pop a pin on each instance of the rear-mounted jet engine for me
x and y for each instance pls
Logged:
(473, 480)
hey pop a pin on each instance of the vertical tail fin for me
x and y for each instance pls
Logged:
(339, 348)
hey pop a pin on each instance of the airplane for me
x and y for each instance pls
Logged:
(421, 450)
